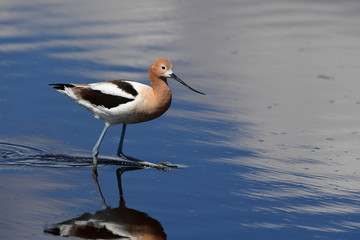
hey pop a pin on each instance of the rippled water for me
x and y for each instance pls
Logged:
(270, 152)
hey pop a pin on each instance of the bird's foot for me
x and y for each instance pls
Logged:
(125, 157)
(166, 166)
(169, 164)
(137, 162)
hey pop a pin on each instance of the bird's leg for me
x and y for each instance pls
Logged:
(95, 151)
(120, 152)
(122, 155)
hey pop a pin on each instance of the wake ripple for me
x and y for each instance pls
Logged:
(16, 154)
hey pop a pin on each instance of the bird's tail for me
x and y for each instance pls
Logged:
(61, 86)
(53, 231)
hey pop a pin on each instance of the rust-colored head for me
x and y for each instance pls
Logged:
(162, 69)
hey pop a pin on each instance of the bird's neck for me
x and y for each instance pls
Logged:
(160, 88)
(161, 93)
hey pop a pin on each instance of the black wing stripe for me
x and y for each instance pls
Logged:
(98, 98)
(125, 86)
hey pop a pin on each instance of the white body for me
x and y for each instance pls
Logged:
(134, 111)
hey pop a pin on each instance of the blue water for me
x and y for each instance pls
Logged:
(271, 151)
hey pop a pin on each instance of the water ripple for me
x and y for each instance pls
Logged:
(17, 154)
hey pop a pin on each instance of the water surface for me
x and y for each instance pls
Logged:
(271, 152)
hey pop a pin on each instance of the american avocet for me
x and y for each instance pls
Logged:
(125, 101)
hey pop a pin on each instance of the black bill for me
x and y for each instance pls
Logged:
(173, 76)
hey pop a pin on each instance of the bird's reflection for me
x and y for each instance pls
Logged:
(111, 223)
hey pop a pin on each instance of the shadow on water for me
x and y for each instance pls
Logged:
(111, 223)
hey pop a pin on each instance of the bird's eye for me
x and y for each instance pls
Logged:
(163, 67)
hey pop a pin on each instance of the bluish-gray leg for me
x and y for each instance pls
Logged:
(97, 145)
(137, 161)
(122, 155)
(120, 152)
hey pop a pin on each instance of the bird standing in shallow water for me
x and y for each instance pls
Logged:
(125, 101)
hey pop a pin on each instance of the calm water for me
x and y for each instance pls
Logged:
(271, 152)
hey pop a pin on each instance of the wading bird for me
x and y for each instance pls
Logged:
(125, 101)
